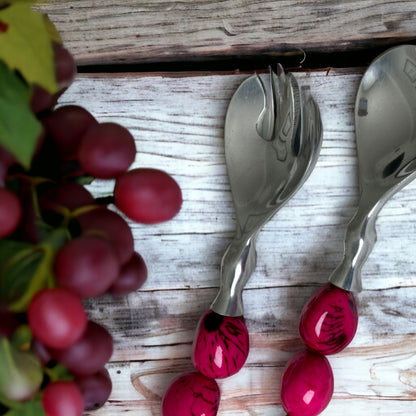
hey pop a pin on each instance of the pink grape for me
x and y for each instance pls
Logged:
(147, 195)
(57, 317)
(62, 398)
(66, 125)
(109, 225)
(10, 212)
(106, 150)
(95, 388)
(132, 276)
(87, 265)
(89, 354)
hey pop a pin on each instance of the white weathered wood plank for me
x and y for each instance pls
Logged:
(367, 379)
(178, 125)
(101, 31)
(177, 121)
(159, 325)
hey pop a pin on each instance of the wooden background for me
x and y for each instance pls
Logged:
(167, 70)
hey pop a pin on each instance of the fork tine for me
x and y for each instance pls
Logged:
(312, 132)
(277, 81)
(274, 92)
(266, 122)
(316, 122)
(293, 93)
(273, 100)
(280, 84)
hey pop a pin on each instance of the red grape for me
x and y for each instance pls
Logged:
(86, 265)
(110, 226)
(70, 195)
(90, 353)
(65, 70)
(147, 195)
(62, 398)
(57, 317)
(66, 125)
(65, 67)
(95, 388)
(41, 99)
(132, 276)
(10, 212)
(106, 150)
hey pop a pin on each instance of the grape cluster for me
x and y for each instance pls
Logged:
(69, 246)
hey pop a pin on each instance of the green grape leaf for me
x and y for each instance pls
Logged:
(4, 3)
(25, 45)
(24, 274)
(25, 269)
(19, 128)
(51, 29)
(32, 407)
(21, 376)
(16, 272)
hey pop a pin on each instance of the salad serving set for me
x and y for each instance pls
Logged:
(273, 136)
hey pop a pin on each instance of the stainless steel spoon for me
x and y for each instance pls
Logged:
(272, 141)
(385, 122)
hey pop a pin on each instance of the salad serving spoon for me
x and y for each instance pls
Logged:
(385, 124)
(272, 141)
(273, 135)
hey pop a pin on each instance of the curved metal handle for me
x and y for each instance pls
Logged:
(360, 238)
(237, 265)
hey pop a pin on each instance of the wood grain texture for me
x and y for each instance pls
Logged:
(100, 31)
(177, 121)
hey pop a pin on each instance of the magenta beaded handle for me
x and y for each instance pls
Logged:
(191, 394)
(219, 350)
(327, 325)
(221, 345)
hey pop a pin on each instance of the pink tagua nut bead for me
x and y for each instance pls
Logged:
(191, 394)
(221, 345)
(307, 384)
(329, 320)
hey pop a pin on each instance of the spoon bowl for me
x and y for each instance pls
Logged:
(385, 121)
